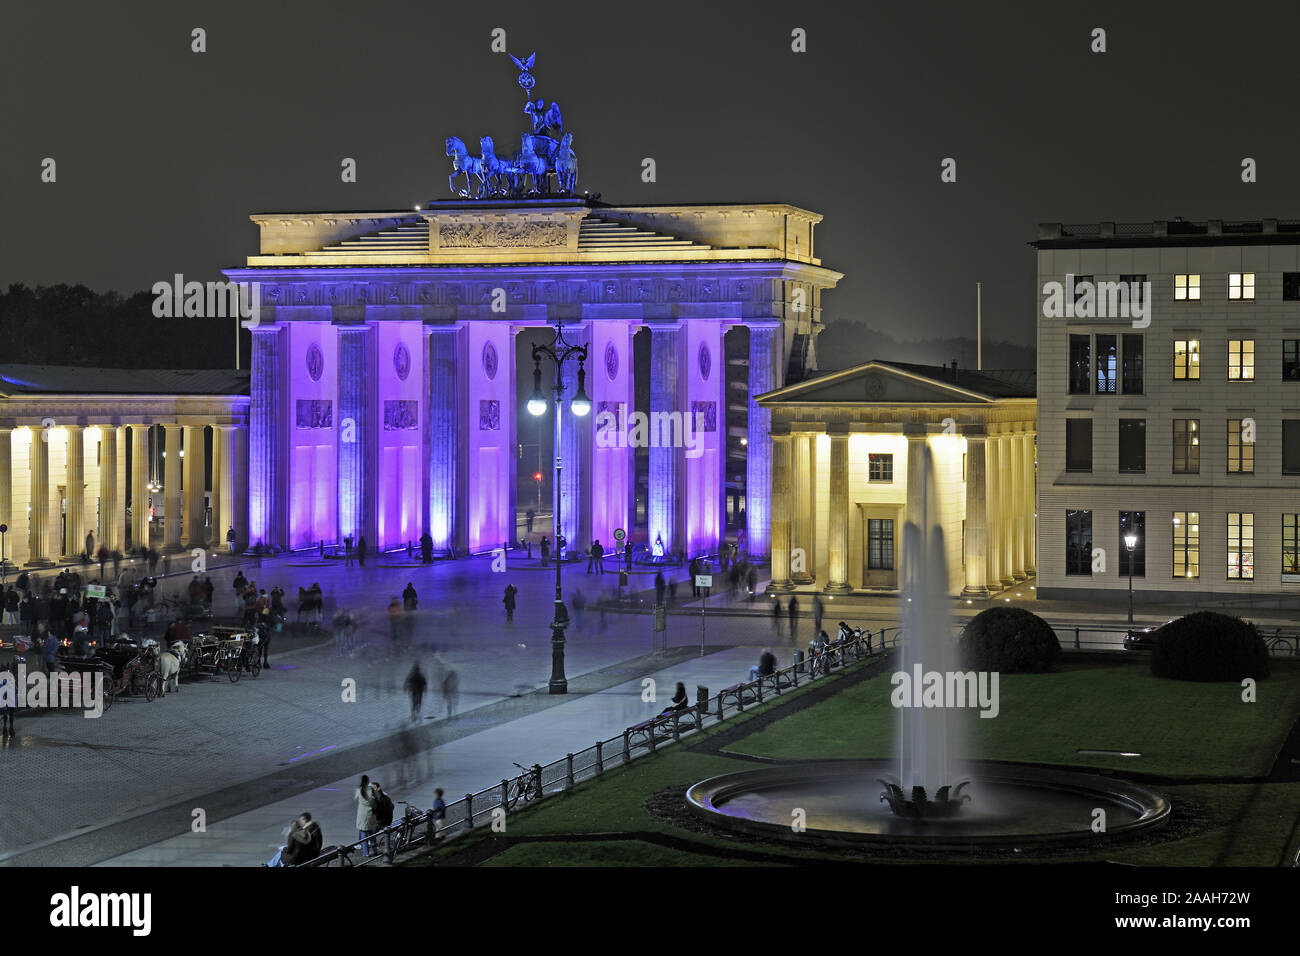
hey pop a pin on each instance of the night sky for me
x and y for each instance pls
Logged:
(162, 153)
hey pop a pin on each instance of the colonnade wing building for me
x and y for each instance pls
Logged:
(848, 474)
(384, 365)
(1179, 424)
(82, 451)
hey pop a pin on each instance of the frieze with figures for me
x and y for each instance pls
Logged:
(504, 235)
(489, 415)
(706, 413)
(400, 415)
(315, 413)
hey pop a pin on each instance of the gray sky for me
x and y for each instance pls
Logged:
(162, 153)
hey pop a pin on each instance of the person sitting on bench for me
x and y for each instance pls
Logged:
(766, 665)
(680, 700)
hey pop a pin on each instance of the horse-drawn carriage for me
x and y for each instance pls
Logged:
(222, 650)
(127, 668)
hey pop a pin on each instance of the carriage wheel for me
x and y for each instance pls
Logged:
(109, 695)
(256, 666)
(152, 686)
(233, 670)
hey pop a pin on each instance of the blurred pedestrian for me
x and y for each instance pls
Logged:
(415, 685)
(509, 602)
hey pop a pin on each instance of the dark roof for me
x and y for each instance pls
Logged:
(1168, 233)
(995, 383)
(67, 379)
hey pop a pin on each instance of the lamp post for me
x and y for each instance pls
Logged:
(1130, 542)
(558, 351)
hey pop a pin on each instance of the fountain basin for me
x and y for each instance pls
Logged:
(1011, 805)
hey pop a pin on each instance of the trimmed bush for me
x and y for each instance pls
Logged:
(1009, 640)
(1208, 646)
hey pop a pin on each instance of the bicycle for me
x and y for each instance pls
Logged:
(403, 836)
(525, 788)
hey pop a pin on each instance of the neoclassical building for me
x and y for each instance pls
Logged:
(847, 475)
(385, 348)
(101, 451)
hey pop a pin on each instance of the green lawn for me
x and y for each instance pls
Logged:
(1205, 731)
(1181, 729)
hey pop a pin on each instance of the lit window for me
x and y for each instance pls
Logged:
(1187, 359)
(1187, 544)
(1241, 285)
(1241, 360)
(1241, 546)
(1187, 287)
(880, 467)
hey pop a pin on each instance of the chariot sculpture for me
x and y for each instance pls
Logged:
(544, 165)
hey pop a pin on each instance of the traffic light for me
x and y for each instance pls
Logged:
(537, 476)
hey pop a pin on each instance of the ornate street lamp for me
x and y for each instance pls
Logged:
(1130, 542)
(558, 351)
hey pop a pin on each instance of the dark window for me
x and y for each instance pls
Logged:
(1134, 522)
(1187, 446)
(1078, 542)
(1291, 446)
(880, 544)
(1078, 444)
(1080, 365)
(1291, 544)
(1241, 453)
(1291, 286)
(1133, 445)
(1136, 289)
(1132, 365)
(1291, 360)
(880, 467)
(1107, 360)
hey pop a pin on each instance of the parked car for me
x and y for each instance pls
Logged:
(1142, 638)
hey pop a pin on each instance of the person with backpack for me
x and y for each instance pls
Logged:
(439, 811)
(383, 804)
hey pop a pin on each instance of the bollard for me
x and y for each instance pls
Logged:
(702, 702)
(794, 673)
(469, 811)
(568, 771)
(1076, 637)
(600, 757)
(627, 746)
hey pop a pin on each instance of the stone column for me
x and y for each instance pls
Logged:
(1017, 520)
(780, 499)
(40, 499)
(171, 487)
(665, 462)
(976, 556)
(196, 533)
(7, 491)
(356, 439)
(115, 435)
(1031, 505)
(803, 508)
(574, 442)
(240, 493)
(763, 344)
(110, 500)
(74, 537)
(917, 506)
(139, 485)
(267, 494)
(837, 551)
(992, 483)
(446, 399)
(1006, 510)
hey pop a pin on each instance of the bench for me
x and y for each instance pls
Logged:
(661, 728)
(744, 693)
(776, 681)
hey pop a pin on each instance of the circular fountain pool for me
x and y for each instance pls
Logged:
(1010, 805)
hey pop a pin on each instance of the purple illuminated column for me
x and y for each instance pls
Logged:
(446, 418)
(267, 515)
(573, 437)
(356, 432)
(763, 347)
(610, 377)
(666, 457)
(704, 421)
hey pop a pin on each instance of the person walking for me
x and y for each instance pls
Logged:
(438, 811)
(8, 704)
(394, 618)
(361, 551)
(818, 611)
(347, 551)
(509, 602)
(410, 600)
(598, 555)
(692, 570)
(364, 797)
(450, 690)
(546, 551)
(415, 685)
(660, 587)
(776, 617)
(794, 618)
(264, 632)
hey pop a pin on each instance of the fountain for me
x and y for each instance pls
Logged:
(932, 795)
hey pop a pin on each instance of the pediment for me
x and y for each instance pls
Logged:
(875, 383)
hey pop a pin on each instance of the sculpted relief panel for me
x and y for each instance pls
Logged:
(487, 235)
